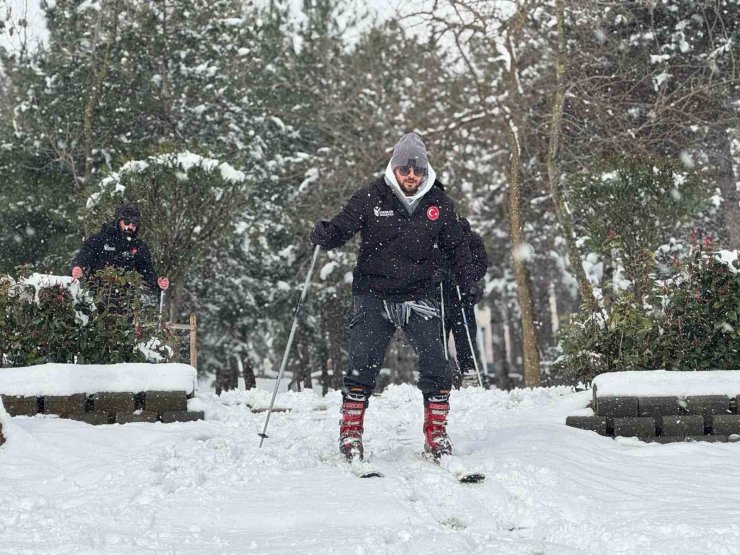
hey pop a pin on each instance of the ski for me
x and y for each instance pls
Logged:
(362, 469)
(357, 466)
(454, 466)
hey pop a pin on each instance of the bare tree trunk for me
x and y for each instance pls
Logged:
(324, 377)
(249, 379)
(306, 366)
(554, 312)
(515, 204)
(561, 209)
(334, 321)
(721, 158)
(519, 247)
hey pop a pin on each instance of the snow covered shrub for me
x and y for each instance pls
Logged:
(189, 204)
(37, 326)
(689, 323)
(700, 319)
(121, 320)
(55, 319)
(598, 342)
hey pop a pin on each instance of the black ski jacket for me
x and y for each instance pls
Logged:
(110, 247)
(396, 252)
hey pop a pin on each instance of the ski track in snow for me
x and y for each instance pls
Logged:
(206, 487)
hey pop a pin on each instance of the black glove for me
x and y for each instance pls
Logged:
(442, 274)
(471, 294)
(322, 234)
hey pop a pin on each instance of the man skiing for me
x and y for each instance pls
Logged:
(400, 217)
(453, 321)
(118, 245)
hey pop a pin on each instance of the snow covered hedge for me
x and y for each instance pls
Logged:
(688, 322)
(59, 319)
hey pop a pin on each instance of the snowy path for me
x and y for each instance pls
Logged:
(205, 487)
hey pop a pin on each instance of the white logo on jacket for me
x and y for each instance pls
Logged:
(378, 212)
(108, 248)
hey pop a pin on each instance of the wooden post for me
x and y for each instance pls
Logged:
(193, 341)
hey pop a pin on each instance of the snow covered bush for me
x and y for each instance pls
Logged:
(700, 319)
(690, 322)
(189, 203)
(57, 319)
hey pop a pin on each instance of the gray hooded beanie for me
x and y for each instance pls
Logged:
(410, 151)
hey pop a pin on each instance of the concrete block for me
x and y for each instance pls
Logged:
(182, 416)
(661, 406)
(616, 406)
(725, 424)
(682, 425)
(128, 417)
(94, 418)
(110, 403)
(642, 427)
(20, 406)
(65, 405)
(708, 405)
(165, 401)
(593, 423)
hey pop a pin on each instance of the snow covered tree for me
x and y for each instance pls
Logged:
(122, 80)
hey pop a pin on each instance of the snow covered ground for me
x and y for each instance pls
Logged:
(205, 487)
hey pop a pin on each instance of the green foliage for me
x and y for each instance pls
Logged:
(700, 322)
(692, 324)
(102, 321)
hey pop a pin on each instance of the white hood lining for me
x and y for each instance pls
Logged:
(410, 202)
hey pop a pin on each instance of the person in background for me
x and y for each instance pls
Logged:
(465, 374)
(118, 245)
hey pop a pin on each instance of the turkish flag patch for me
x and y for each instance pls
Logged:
(432, 213)
(134, 250)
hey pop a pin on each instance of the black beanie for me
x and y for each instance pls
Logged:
(129, 212)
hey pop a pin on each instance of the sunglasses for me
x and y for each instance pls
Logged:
(130, 222)
(418, 172)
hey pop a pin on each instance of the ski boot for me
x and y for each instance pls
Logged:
(469, 378)
(351, 425)
(436, 441)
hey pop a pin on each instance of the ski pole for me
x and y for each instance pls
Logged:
(264, 435)
(442, 304)
(467, 332)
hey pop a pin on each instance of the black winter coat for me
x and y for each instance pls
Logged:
(479, 258)
(110, 247)
(396, 252)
